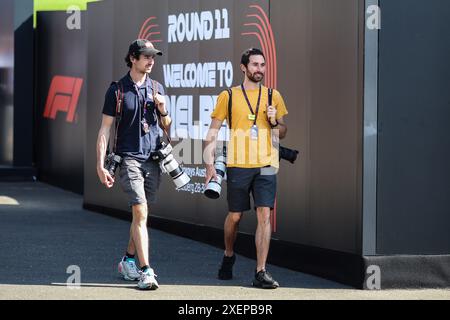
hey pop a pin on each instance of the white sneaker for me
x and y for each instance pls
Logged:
(129, 270)
(148, 281)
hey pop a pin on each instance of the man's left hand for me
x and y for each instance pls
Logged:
(272, 114)
(160, 101)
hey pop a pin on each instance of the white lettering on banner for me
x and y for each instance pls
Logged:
(225, 73)
(195, 26)
(192, 117)
(207, 104)
(181, 109)
(190, 75)
(201, 75)
(222, 33)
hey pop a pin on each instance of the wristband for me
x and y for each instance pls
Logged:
(274, 125)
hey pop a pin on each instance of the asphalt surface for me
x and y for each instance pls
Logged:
(44, 231)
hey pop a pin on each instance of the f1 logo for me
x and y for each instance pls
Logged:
(63, 96)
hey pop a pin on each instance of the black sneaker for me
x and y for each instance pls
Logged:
(226, 269)
(264, 280)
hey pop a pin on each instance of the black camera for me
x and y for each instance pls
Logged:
(168, 164)
(288, 154)
(112, 162)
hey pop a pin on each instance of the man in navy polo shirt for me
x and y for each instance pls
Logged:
(143, 108)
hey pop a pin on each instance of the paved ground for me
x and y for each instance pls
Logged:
(44, 230)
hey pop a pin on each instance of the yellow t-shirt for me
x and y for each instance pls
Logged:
(243, 151)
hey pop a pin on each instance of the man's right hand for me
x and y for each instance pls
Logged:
(211, 173)
(105, 177)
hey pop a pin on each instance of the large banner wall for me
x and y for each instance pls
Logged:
(313, 56)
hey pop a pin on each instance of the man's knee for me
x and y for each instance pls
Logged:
(263, 214)
(234, 217)
(140, 213)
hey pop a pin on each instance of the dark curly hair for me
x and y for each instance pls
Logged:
(128, 59)
(250, 52)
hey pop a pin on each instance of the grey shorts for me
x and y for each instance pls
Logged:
(140, 181)
(241, 182)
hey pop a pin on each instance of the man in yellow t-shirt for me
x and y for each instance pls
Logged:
(252, 160)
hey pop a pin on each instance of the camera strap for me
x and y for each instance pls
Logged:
(155, 92)
(230, 103)
(119, 104)
(270, 91)
(255, 113)
(230, 106)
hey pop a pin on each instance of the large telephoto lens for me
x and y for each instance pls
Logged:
(214, 187)
(179, 177)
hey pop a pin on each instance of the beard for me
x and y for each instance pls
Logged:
(256, 77)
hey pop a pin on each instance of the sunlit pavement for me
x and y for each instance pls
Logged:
(46, 237)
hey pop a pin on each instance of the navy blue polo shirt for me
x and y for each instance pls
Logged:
(132, 141)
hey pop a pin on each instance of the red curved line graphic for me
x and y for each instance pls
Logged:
(147, 30)
(256, 35)
(274, 67)
(274, 51)
(148, 35)
(265, 50)
(144, 24)
(268, 42)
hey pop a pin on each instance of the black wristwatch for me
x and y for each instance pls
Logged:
(275, 125)
(164, 115)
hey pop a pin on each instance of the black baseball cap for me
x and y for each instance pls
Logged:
(143, 46)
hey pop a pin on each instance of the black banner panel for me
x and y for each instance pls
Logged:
(61, 98)
(313, 58)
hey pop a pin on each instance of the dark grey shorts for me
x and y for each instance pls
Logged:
(260, 182)
(140, 181)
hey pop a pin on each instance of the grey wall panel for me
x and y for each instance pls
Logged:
(335, 125)
(319, 57)
(414, 135)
